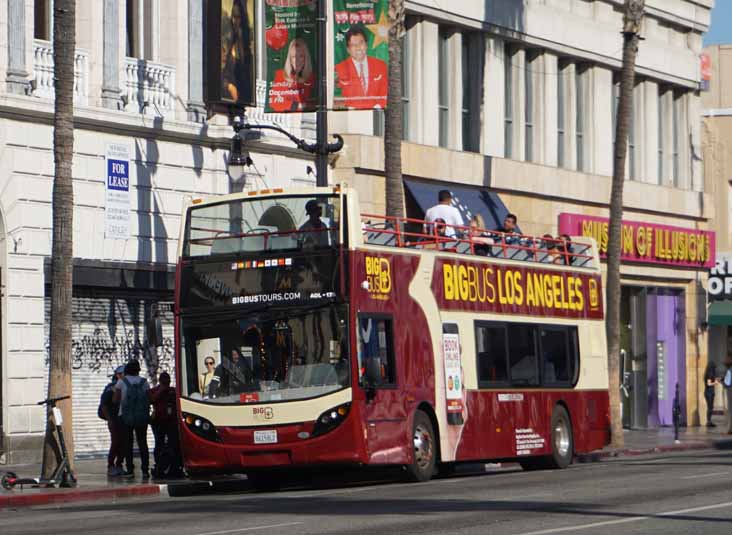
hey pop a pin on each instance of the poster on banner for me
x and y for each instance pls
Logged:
(292, 68)
(361, 54)
(230, 53)
(453, 372)
(117, 198)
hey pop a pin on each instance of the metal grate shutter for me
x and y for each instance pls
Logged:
(107, 330)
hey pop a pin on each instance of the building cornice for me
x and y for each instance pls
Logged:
(717, 112)
(103, 120)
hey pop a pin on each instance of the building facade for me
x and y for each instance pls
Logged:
(139, 92)
(512, 96)
(717, 145)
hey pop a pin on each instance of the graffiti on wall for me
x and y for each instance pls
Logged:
(109, 333)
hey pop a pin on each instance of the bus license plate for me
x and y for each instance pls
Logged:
(265, 437)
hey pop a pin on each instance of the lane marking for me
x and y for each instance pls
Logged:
(627, 520)
(699, 476)
(254, 528)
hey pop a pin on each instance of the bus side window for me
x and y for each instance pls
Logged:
(491, 354)
(523, 355)
(375, 341)
(559, 355)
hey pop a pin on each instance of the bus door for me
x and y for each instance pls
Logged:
(385, 411)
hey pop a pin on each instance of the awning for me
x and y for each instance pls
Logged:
(469, 200)
(720, 313)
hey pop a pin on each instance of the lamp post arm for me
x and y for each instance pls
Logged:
(312, 148)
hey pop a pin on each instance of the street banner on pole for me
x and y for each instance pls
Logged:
(117, 205)
(292, 66)
(230, 53)
(361, 54)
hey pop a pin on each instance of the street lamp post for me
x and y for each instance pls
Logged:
(321, 158)
(239, 158)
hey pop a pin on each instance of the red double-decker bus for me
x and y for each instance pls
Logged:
(310, 334)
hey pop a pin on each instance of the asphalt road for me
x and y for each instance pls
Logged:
(672, 493)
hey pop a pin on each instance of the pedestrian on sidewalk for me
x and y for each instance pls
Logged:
(165, 429)
(132, 394)
(710, 380)
(727, 382)
(109, 411)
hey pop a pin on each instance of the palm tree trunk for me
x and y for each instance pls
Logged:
(59, 379)
(393, 117)
(633, 16)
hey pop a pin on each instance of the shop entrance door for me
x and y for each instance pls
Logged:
(666, 349)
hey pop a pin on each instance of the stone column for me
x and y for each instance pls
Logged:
(110, 72)
(547, 119)
(429, 129)
(601, 133)
(17, 74)
(196, 106)
(494, 103)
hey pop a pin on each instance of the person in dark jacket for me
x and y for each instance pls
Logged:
(165, 428)
(710, 379)
(232, 376)
(109, 410)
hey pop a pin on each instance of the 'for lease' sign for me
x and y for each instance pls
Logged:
(117, 202)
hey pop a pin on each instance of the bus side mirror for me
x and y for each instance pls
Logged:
(373, 372)
(154, 328)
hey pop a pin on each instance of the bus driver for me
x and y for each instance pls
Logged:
(233, 376)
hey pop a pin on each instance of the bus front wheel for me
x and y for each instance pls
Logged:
(425, 449)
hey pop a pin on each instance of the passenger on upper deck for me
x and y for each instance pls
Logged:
(445, 211)
(480, 239)
(509, 229)
(314, 232)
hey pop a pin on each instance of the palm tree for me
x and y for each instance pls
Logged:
(59, 377)
(632, 18)
(393, 116)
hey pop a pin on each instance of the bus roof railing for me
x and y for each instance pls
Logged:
(400, 232)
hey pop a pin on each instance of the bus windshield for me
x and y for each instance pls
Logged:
(263, 224)
(266, 356)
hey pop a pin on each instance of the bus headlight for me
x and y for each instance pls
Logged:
(331, 419)
(201, 427)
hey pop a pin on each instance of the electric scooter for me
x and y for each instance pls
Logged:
(63, 476)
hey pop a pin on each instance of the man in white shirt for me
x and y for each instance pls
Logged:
(446, 212)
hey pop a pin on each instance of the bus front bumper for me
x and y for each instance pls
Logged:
(294, 446)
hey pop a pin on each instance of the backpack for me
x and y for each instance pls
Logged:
(106, 401)
(135, 405)
(165, 408)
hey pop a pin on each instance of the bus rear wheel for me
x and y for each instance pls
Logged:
(561, 439)
(562, 444)
(425, 449)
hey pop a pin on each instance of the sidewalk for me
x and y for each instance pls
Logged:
(646, 441)
(94, 485)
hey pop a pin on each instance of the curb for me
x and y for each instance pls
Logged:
(632, 452)
(16, 499)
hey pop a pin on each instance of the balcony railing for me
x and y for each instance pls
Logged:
(148, 86)
(43, 72)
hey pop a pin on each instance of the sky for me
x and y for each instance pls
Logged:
(721, 30)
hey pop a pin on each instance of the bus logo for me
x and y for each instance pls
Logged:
(594, 294)
(378, 276)
(263, 412)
